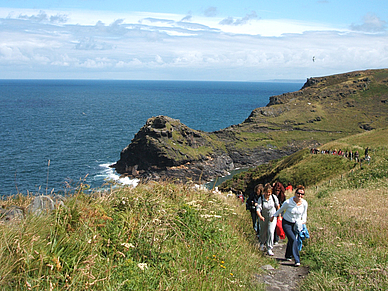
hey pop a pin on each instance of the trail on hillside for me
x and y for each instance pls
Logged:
(286, 276)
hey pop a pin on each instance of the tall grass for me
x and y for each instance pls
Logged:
(158, 236)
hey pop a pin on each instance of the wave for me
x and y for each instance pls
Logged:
(107, 173)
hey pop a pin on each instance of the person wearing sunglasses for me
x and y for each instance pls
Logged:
(294, 212)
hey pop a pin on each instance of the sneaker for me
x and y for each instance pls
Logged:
(262, 248)
(288, 259)
(270, 253)
(297, 264)
(276, 243)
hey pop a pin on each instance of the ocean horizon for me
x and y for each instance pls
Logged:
(56, 134)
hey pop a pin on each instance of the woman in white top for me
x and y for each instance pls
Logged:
(294, 211)
(266, 207)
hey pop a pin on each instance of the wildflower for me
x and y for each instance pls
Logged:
(222, 266)
(128, 245)
(142, 266)
(57, 263)
(222, 262)
(231, 274)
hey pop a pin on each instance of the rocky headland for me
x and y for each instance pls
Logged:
(324, 109)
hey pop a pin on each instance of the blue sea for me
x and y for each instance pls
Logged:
(56, 133)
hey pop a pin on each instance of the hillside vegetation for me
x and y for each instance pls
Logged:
(158, 236)
(309, 169)
(325, 109)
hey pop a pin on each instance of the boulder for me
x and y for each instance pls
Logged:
(11, 213)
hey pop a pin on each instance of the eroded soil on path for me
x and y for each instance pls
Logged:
(286, 276)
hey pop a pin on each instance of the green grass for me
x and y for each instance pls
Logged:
(158, 236)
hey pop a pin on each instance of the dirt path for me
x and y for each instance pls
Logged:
(287, 276)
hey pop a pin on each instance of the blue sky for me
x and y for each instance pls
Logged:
(191, 40)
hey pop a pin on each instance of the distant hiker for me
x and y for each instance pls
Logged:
(366, 152)
(251, 206)
(294, 216)
(240, 196)
(356, 156)
(279, 191)
(266, 207)
(289, 187)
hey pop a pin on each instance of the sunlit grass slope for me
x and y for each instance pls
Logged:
(348, 249)
(158, 236)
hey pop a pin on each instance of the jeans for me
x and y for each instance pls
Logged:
(255, 221)
(292, 244)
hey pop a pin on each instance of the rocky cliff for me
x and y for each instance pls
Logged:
(164, 147)
(326, 108)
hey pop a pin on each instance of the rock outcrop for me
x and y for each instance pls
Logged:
(165, 147)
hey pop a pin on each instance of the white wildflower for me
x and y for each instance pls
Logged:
(128, 245)
(142, 266)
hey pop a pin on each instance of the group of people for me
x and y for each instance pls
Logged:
(346, 154)
(267, 204)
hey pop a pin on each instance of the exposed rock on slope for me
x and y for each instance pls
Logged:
(164, 147)
(326, 108)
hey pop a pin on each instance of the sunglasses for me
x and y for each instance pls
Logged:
(298, 193)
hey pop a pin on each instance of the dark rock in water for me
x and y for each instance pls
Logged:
(164, 147)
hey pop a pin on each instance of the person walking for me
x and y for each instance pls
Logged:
(279, 191)
(266, 207)
(251, 206)
(294, 216)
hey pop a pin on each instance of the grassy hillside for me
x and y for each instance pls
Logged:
(348, 249)
(325, 109)
(159, 236)
(309, 169)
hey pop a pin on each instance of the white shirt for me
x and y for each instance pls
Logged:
(292, 212)
(267, 208)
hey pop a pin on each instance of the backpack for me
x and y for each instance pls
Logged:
(262, 201)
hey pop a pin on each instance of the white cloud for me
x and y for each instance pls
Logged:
(371, 23)
(155, 45)
(241, 21)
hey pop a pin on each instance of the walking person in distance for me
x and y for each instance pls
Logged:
(251, 206)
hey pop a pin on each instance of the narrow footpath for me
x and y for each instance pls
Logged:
(287, 276)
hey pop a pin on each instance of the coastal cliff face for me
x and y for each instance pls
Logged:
(164, 147)
(326, 108)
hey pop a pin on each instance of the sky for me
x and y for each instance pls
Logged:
(212, 40)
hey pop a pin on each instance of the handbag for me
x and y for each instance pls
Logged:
(279, 229)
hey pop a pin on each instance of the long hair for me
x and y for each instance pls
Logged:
(258, 187)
